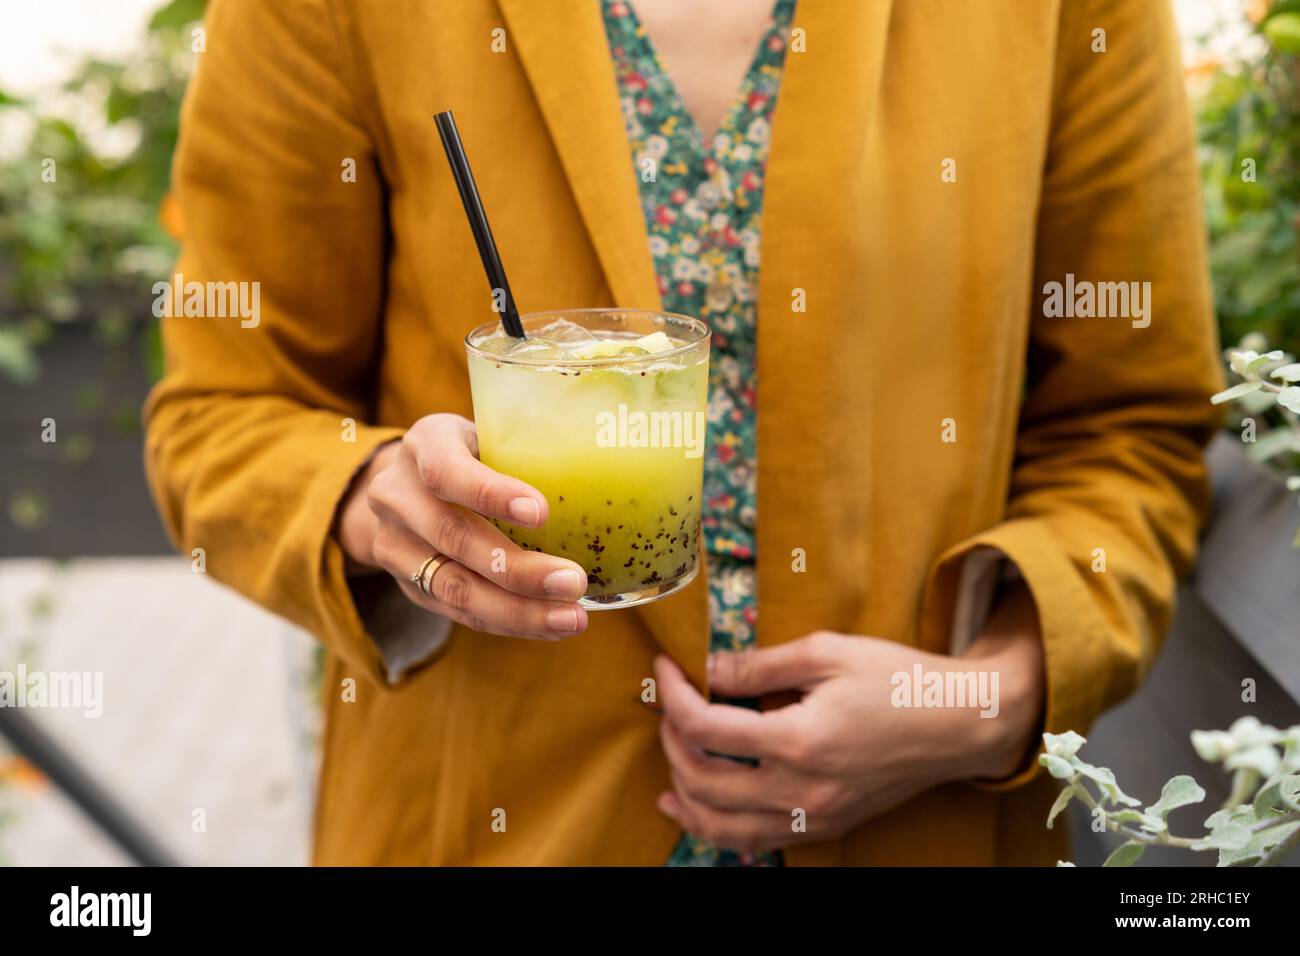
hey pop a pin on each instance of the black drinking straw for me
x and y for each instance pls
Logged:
(478, 223)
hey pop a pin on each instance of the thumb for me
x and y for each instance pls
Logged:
(795, 664)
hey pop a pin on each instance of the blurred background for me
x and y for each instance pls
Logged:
(205, 752)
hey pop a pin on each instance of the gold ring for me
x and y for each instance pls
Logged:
(416, 577)
(423, 579)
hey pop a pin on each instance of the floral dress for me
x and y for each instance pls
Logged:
(703, 206)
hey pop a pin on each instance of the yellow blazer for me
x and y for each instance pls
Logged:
(925, 311)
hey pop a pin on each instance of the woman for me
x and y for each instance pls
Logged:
(945, 476)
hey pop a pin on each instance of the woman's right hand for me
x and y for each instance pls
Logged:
(429, 492)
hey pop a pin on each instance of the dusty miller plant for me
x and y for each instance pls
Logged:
(1257, 825)
(1268, 401)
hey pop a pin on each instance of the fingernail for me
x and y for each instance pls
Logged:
(525, 510)
(710, 664)
(565, 583)
(562, 619)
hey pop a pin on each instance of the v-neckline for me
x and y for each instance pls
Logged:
(706, 146)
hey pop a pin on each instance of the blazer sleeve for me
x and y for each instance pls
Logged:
(1108, 487)
(259, 424)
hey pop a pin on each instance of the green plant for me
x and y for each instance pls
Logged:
(80, 232)
(1257, 825)
(1249, 121)
(1267, 406)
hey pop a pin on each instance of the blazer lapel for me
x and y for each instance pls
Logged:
(565, 54)
(816, 236)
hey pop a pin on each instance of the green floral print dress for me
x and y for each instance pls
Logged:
(703, 207)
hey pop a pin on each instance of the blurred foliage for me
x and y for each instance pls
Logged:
(88, 245)
(1249, 120)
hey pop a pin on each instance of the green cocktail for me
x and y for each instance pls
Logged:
(603, 412)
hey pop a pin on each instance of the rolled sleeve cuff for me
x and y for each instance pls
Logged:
(382, 635)
(1074, 643)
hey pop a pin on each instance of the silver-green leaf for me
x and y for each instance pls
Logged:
(1262, 758)
(1228, 394)
(1063, 745)
(1226, 836)
(1104, 778)
(1181, 791)
(1287, 373)
(1257, 845)
(1058, 767)
(1146, 821)
(1062, 801)
(1280, 792)
(1126, 855)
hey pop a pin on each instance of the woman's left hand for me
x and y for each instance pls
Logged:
(847, 750)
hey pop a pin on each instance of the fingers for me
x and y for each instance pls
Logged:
(722, 728)
(443, 449)
(465, 593)
(750, 832)
(721, 783)
(793, 665)
(730, 805)
(399, 498)
(469, 599)
(433, 498)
